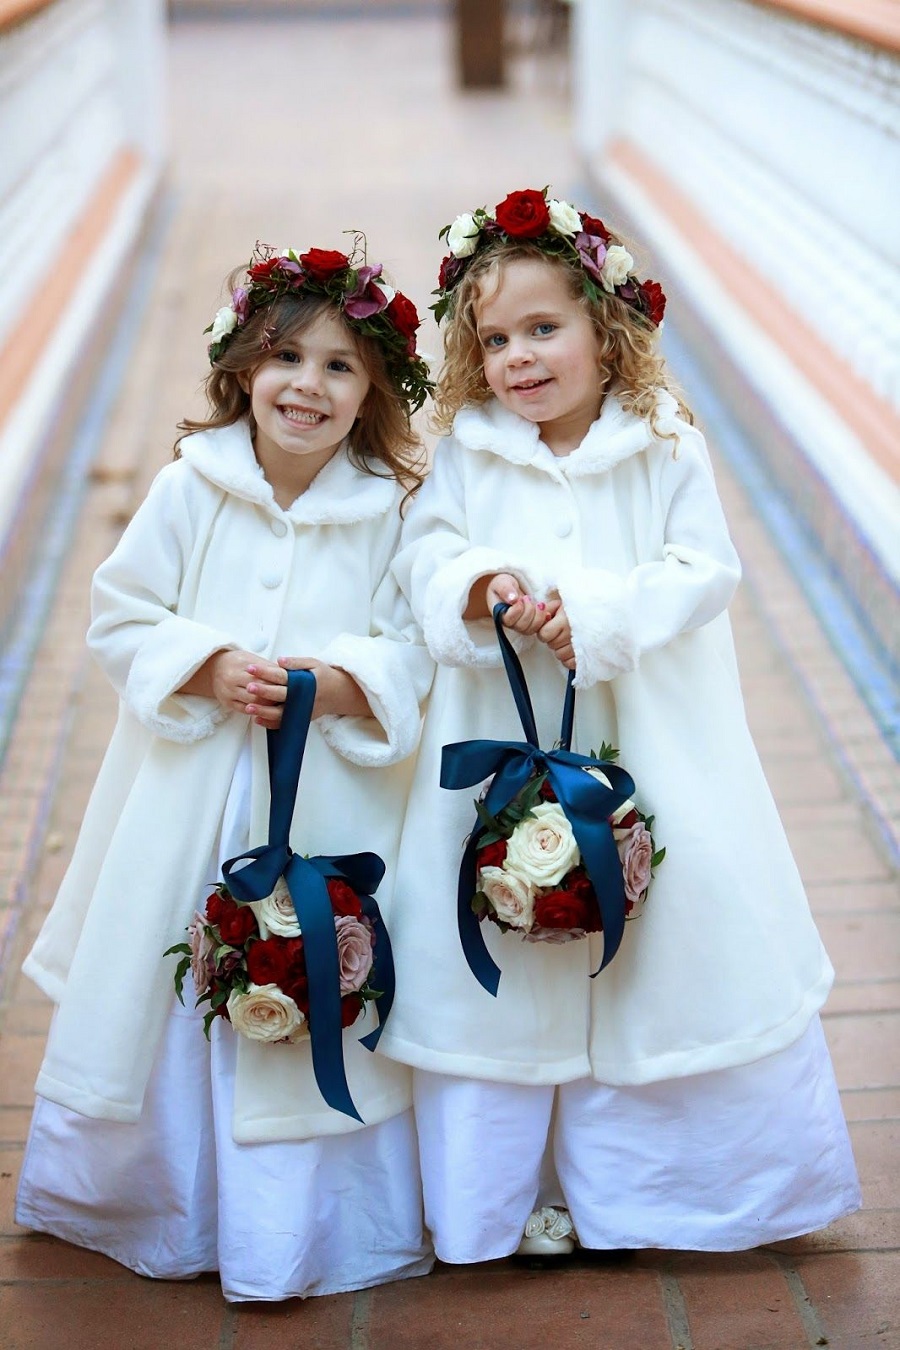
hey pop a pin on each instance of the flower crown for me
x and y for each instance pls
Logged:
(370, 306)
(556, 228)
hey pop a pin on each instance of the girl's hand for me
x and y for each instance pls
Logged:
(525, 615)
(241, 682)
(557, 634)
(337, 693)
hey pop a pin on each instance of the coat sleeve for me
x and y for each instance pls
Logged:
(147, 650)
(615, 619)
(438, 564)
(394, 670)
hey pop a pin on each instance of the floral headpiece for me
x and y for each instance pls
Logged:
(370, 305)
(556, 228)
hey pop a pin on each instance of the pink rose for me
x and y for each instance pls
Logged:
(354, 942)
(635, 851)
(203, 947)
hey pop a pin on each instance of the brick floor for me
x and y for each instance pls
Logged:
(359, 125)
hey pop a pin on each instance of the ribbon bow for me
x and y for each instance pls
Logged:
(305, 879)
(587, 803)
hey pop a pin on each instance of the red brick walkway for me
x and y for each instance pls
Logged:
(322, 126)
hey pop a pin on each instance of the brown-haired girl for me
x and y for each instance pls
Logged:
(684, 1097)
(264, 546)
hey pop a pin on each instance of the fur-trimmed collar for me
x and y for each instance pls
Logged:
(340, 493)
(616, 435)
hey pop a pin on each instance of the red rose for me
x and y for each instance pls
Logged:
(295, 982)
(492, 855)
(322, 263)
(451, 270)
(351, 1007)
(578, 883)
(261, 272)
(402, 314)
(547, 793)
(344, 900)
(524, 215)
(655, 301)
(565, 909)
(235, 922)
(591, 225)
(267, 962)
(627, 821)
(214, 906)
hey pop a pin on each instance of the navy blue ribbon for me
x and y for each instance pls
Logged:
(306, 882)
(587, 803)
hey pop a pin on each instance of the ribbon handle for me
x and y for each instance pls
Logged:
(517, 683)
(306, 880)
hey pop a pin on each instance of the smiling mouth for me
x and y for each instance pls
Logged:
(527, 386)
(303, 416)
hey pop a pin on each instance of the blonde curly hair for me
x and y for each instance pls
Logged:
(626, 342)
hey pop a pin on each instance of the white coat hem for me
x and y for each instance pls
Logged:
(727, 1055)
(497, 1071)
(285, 1129)
(46, 981)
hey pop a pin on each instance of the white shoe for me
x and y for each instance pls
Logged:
(548, 1232)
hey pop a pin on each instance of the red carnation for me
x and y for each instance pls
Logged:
(235, 922)
(523, 215)
(402, 314)
(351, 1007)
(655, 301)
(591, 225)
(323, 263)
(492, 855)
(267, 962)
(344, 900)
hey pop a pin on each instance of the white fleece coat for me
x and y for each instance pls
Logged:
(211, 562)
(725, 965)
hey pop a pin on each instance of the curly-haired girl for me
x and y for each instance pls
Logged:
(684, 1097)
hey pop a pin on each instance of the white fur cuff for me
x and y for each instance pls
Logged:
(452, 640)
(170, 654)
(597, 607)
(394, 676)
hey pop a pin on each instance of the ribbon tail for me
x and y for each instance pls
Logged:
(316, 918)
(382, 973)
(479, 959)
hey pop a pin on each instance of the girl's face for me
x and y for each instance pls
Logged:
(305, 398)
(540, 352)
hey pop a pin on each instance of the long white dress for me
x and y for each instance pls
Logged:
(684, 1097)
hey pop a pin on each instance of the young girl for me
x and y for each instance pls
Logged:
(264, 546)
(684, 1098)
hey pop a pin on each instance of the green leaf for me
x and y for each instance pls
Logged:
(657, 857)
(179, 947)
(218, 998)
(608, 753)
(489, 821)
(181, 970)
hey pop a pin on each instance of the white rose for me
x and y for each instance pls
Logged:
(616, 266)
(224, 323)
(542, 848)
(626, 806)
(564, 218)
(511, 896)
(277, 914)
(265, 1013)
(387, 288)
(463, 236)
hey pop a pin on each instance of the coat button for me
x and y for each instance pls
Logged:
(563, 528)
(271, 580)
(279, 528)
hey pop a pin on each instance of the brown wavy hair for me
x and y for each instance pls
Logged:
(626, 342)
(382, 438)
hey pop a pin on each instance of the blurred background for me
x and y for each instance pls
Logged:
(751, 146)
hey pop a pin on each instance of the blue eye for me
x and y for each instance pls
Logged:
(544, 329)
(495, 340)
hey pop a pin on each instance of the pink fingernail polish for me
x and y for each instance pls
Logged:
(541, 605)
